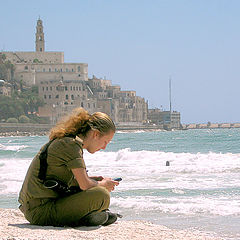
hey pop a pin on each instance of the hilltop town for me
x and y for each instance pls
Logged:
(64, 86)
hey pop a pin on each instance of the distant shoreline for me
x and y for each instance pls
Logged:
(26, 129)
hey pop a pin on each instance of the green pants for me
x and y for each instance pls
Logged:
(68, 211)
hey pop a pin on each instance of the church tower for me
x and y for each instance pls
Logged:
(40, 43)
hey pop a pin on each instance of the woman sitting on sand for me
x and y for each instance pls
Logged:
(57, 190)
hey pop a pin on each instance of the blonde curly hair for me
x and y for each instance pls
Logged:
(80, 122)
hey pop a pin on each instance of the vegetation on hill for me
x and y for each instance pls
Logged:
(6, 69)
(24, 101)
(21, 103)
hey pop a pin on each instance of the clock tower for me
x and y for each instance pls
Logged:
(40, 43)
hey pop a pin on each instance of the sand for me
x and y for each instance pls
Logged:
(13, 226)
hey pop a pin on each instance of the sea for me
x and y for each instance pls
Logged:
(180, 179)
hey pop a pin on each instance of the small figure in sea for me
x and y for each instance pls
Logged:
(167, 163)
(57, 190)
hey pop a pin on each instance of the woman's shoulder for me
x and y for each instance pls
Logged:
(67, 141)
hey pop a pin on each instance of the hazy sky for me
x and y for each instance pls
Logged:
(139, 44)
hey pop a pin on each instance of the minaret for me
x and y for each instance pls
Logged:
(40, 43)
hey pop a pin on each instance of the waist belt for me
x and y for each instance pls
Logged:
(32, 203)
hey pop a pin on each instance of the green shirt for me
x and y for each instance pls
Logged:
(64, 154)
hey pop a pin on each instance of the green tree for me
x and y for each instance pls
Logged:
(23, 99)
(19, 104)
(24, 119)
(12, 120)
(7, 69)
(10, 108)
(31, 99)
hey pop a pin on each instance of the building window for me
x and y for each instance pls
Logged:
(56, 70)
(50, 88)
(43, 88)
(72, 70)
(49, 96)
(82, 104)
(74, 88)
(88, 105)
(44, 70)
(79, 69)
(71, 88)
(26, 67)
(46, 88)
(40, 49)
(57, 96)
(66, 69)
(72, 97)
(50, 69)
(61, 70)
(67, 97)
(79, 88)
(66, 88)
(45, 97)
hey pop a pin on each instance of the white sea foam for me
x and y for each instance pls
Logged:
(192, 184)
(12, 173)
(12, 147)
(131, 131)
(146, 169)
(185, 206)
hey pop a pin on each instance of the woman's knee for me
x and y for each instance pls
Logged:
(102, 195)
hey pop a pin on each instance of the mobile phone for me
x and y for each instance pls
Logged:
(117, 179)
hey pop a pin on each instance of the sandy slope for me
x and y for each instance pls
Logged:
(13, 226)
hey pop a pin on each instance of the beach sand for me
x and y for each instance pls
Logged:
(13, 226)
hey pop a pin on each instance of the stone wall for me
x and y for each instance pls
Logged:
(29, 57)
(210, 126)
(22, 129)
(7, 129)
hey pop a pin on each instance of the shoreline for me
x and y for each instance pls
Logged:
(29, 129)
(15, 227)
(31, 132)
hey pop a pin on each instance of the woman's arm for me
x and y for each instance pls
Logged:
(82, 178)
(86, 182)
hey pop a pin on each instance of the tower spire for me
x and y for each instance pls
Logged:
(40, 43)
(170, 94)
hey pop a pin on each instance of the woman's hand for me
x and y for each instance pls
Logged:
(97, 178)
(108, 183)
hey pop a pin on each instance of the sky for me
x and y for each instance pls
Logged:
(140, 45)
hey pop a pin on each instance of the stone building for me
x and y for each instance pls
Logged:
(61, 97)
(132, 108)
(34, 67)
(65, 86)
(122, 106)
(166, 118)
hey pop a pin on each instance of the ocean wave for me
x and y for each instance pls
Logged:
(185, 206)
(12, 147)
(155, 162)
